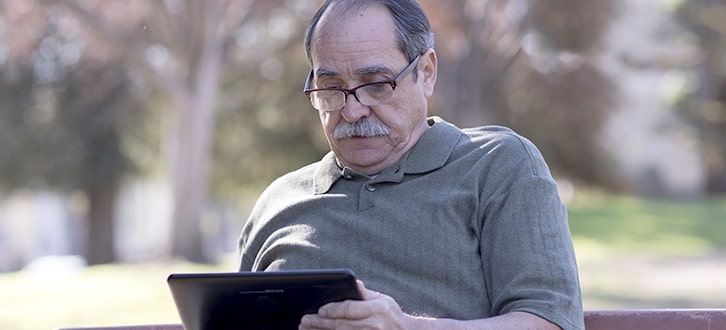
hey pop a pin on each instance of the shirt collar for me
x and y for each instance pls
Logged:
(430, 153)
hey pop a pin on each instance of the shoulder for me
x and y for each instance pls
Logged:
(301, 178)
(500, 138)
(499, 149)
(497, 136)
(279, 193)
(481, 139)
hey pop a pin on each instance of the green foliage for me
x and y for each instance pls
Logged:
(265, 126)
(63, 130)
(15, 95)
(63, 136)
(705, 106)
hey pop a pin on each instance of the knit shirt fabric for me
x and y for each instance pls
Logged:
(467, 224)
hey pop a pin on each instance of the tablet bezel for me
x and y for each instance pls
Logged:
(257, 300)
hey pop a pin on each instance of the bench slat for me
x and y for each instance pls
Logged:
(628, 319)
(660, 319)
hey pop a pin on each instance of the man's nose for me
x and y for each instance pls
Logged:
(354, 110)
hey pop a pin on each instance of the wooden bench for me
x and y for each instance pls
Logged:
(660, 319)
(642, 319)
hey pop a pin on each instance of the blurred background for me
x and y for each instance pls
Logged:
(136, 135)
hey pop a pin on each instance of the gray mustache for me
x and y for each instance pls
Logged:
(366, 127)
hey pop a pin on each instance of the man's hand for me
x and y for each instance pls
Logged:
(379, 311)
(375, 311)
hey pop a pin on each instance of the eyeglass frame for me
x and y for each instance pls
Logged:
(353, 91)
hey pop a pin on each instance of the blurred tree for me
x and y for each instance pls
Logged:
(226, 58)
(525, 64)
(266, 125)
(705, 107)
(62, 117)
(180, 47)
(521, 63)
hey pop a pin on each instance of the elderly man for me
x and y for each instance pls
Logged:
(446, 228)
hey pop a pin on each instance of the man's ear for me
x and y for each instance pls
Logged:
(428, 66)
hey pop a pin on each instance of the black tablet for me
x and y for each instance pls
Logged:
(257, 300)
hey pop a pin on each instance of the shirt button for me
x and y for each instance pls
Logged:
(371, 188)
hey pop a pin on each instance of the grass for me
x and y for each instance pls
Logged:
(98, 296)
(642, 253)
(661, 228)
(632, 253)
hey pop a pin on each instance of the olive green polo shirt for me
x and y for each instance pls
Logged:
(466, 225)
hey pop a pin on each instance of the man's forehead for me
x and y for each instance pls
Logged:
(357, 40)
(366, 17)
(341, 9)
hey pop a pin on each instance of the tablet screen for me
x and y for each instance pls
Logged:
(257, 300)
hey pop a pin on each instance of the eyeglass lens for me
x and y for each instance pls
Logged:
(368, 95)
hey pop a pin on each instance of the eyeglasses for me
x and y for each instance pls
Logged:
(370, 94)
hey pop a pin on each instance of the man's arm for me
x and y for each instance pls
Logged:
(513, 320)
(379, 311)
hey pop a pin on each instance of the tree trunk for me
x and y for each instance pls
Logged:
(190, 177)
(101, 205)
(192, 155)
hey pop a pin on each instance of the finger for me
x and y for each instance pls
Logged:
(379, 304)
(342, 310)
(350, 309)
(314, 322)
(367, 294)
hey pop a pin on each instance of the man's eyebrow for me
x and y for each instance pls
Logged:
(364, 71)
(325, 73)
(374, 70)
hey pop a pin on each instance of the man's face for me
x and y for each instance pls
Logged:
(361, 48)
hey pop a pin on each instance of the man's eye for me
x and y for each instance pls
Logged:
(380, 85)
(377, 87)
(328, 84)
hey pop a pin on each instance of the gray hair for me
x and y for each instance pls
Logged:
(412, 25)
